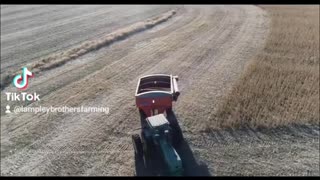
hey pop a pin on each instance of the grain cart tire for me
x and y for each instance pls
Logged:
(137, 145)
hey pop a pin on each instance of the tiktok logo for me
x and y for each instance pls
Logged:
(21, 81)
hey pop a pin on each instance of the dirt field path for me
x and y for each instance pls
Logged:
(207, 47)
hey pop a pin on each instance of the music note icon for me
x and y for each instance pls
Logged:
(21, 81)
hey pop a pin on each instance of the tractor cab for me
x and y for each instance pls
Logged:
(160, 127)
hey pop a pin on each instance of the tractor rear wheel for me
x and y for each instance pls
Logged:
(138, 153)
(137, 144)
(177, 136)
(148, 150)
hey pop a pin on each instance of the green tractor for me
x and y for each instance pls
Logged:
(156, 143)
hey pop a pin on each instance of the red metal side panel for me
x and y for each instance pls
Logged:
(154, 102)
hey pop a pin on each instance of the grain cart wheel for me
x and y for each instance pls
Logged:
(137, 145)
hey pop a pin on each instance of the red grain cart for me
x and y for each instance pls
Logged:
(155, 93)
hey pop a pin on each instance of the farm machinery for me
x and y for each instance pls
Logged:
(160, 133)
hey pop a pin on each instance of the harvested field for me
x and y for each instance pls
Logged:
(208, 47)
(61, 58)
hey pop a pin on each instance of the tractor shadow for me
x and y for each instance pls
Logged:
(189, 161)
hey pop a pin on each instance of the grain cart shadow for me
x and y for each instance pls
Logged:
(190, 165)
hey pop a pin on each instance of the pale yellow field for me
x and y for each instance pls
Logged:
(281, 85)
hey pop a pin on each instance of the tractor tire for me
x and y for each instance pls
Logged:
(137, 145)
(177, 136)
(140, 166)
(148, 150)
